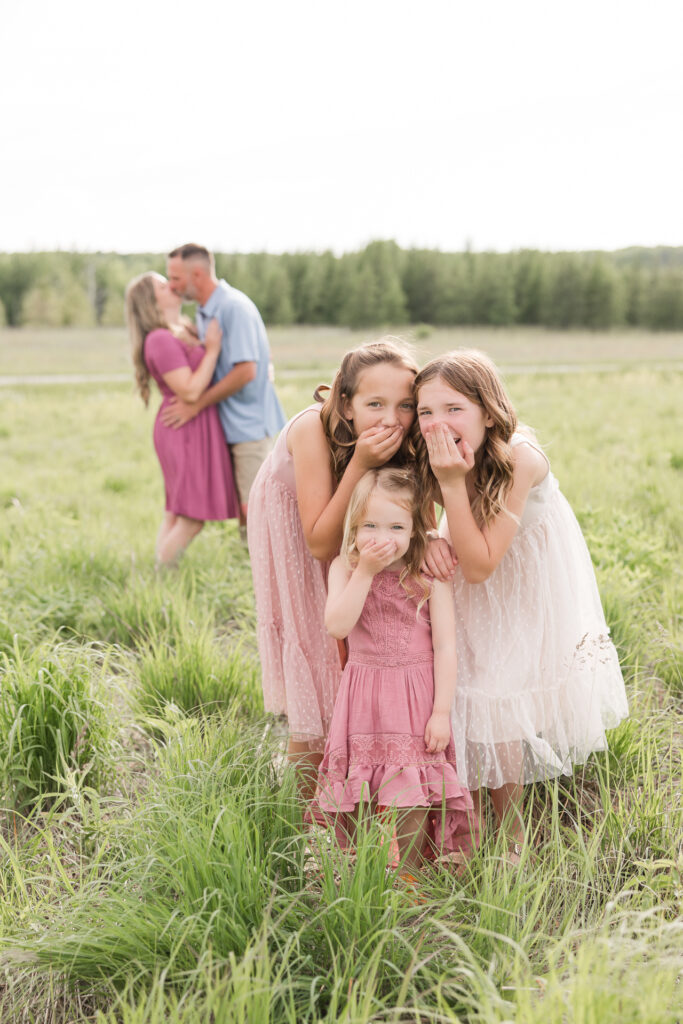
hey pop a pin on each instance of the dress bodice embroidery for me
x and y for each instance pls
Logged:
(389, 631)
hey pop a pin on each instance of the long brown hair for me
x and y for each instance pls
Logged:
(339, 432)
(142, 316)
(403, 488)
(473, 374)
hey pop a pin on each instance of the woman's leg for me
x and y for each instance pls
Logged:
(306, 762)
(167, 524)
(177, 538)
(412, 835)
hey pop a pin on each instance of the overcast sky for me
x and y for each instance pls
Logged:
(311, 125)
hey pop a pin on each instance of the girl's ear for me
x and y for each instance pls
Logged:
(346, 408)
(488, 422)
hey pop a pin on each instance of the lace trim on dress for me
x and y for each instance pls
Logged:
(386, 661)
(377, 750)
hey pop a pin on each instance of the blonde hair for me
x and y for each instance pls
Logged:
(401, 486)
(142, 316)
(473, 374)
(339, 432)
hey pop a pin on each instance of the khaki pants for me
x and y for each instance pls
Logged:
(247, 457)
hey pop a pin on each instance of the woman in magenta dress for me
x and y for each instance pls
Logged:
(194, 459)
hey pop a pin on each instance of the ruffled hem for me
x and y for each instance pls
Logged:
(535, 734)
(452, 825)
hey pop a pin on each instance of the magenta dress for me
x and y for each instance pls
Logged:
(194, 459)
(300, 668)
(376, 748)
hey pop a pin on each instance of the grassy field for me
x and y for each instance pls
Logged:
(105, 350)
(152, 861)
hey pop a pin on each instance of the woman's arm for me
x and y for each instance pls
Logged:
(442, 615)
(188, 384)
(480, 550)
(322, 507)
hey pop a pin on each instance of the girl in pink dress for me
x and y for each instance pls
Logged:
(391, 741)
(194, 460)
(296, 516)
(539, 679)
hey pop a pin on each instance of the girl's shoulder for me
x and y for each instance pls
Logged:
(305, 427)
(529, 458)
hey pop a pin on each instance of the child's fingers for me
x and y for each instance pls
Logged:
(439, 556)
(393, 438)
(468, 454)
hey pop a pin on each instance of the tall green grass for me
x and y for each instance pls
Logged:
(55, 728)
(154, 865)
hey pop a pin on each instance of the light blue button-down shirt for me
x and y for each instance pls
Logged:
(254, 412)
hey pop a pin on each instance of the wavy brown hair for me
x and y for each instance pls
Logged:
(142, 316)
(473, 374)
(339, 432)
(402, 486)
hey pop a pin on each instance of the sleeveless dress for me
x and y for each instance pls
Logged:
(376, 745)
(538, 675)
(300, 667)
(194, 459)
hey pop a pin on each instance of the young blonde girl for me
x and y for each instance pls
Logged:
(390, 742)
(296, 516)
(539, 679)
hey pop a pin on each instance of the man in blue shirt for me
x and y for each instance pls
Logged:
(248, 407)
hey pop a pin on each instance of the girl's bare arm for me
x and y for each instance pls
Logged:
(442, 615)
(321, 507)
(480, 550)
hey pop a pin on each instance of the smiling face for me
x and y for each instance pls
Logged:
(437, 403)
(384, 519)
(383, 398)
(166, 300)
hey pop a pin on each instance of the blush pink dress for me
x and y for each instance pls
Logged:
(194, 459)
(376, 748)
(300, 667)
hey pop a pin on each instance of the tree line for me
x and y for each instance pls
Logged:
(380, 285)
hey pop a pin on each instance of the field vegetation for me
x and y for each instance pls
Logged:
(153, 864)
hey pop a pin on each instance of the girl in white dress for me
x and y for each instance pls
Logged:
(538, 676)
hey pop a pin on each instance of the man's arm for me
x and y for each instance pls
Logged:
(236, 379)
(177, 413)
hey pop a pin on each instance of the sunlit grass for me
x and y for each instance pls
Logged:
(153, 862)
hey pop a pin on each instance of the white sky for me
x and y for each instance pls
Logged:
(307, 124)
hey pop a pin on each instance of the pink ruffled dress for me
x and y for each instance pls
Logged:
(300, 668)
(376, 748)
